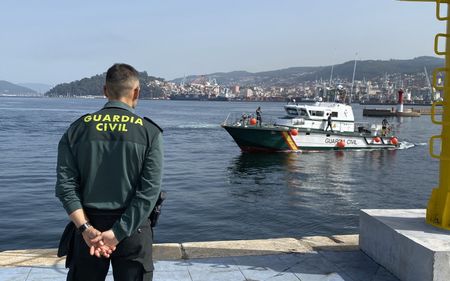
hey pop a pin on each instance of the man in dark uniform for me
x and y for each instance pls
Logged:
(384, 127)
(108, 180)
(329, 124)
(258, 116)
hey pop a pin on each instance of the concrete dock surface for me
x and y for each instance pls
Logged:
(313, 258)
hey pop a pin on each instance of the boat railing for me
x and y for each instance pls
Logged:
(374, 129)
(362, 127)
(244, 119)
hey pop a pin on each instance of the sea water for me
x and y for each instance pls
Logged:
(215, 192)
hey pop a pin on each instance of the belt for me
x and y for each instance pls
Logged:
(100, 212)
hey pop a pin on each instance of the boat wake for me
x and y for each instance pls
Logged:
(406, 145)
(194, 126)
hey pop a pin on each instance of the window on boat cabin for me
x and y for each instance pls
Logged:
(334, 114)
(303, 112)
(316, 113)
(292, 111)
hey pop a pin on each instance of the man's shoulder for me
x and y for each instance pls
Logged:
(79, 120)
(151, 125)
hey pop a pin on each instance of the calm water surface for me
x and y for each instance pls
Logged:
(215, 192)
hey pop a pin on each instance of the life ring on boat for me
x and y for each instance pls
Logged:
(394, 140)
(253, 121)
(340, 144)
(377, 139)
(293, 132)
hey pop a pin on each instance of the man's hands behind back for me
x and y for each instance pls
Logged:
(100, 243)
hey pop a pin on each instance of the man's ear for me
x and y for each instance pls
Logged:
(105, 93)
(136, 92)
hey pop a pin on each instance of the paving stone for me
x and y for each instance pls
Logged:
(322, 277)
(45, 257)
(384, 275)
(355, 264)
(272, 262)
(214, 264)
(244, 247)
(167, 251)
(47, 274)
(268, 274)
(216, 275)
(179, 265)
(272, 259)
(315, 267)
(14, 273)
(334, 243)
(346, 242)
(172, 275)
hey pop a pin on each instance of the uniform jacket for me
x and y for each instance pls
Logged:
(108, 160)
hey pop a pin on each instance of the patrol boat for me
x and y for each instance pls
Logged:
(304, 128)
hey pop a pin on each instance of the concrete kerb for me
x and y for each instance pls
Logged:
(195, 250)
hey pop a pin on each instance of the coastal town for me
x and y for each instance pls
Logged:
(375, 82)
(417, 88)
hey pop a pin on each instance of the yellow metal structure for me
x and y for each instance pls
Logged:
(438, 210)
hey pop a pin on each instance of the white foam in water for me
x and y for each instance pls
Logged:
(406, 145)
(197, 126)
(421, 144)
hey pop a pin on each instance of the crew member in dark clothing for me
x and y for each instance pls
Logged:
(108, 180)
(329, 124)
(258, 116)
(384, 127)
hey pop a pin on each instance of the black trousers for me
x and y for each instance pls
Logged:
(131, 261)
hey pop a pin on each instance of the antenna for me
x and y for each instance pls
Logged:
(331, 74)
(429, 83)
(353, 79)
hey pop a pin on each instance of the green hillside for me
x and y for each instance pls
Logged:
(290, 76)
(93, 86)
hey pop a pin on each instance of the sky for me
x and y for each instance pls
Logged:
(52, 42)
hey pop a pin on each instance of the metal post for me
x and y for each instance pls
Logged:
(438, 210)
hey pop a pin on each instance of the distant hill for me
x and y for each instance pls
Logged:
(93, 86)
(365, 69)
(38, 87)
(8, 88)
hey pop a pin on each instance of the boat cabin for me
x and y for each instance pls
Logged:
(316, 116)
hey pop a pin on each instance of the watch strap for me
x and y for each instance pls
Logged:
(84, 226)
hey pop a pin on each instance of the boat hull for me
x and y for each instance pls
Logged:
(254, 138)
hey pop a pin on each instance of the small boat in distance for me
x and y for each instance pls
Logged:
(305, 128)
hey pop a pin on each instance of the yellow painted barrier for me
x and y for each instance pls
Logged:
(438, 209)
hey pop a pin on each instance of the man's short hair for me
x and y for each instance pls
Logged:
(120, 78)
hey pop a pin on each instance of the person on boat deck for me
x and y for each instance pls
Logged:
(258, 116)
(329, 124)
(244, 119)
(384, 126)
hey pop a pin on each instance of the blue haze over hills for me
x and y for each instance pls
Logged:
(38, 87)
(366, 69)
(8, 88)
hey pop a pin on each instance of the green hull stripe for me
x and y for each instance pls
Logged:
(267, 139)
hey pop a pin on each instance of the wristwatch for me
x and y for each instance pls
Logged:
(84, 226)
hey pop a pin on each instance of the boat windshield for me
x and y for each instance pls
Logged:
(292, 111)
